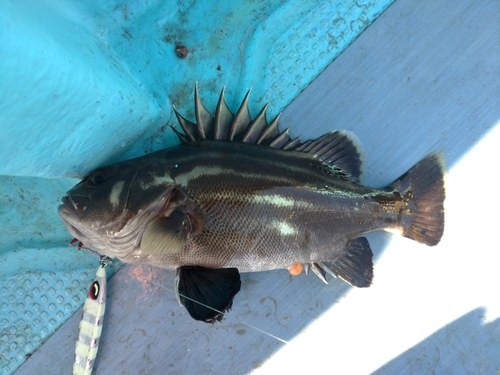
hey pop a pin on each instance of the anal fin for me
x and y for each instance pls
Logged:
(354, 265)
(207, 293)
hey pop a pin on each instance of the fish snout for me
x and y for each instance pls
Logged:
(77, 205)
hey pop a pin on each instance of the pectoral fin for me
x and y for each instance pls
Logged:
(166, 235)
(354, 264)
(207, 293)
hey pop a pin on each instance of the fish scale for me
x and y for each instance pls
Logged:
(256, 200)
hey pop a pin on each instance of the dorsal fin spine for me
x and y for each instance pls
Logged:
(241, 119)
(185, 125)
(290, 145)
(181, 136)
(270, 132)
(203, 117)
(303, 147)
(335, 149)
(256, 126)
(280, 140)
(223, 118)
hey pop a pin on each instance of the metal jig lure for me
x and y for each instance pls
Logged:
(94, 308)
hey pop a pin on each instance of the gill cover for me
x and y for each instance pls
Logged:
(109, 209)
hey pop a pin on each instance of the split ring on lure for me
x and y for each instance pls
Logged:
(87, 343)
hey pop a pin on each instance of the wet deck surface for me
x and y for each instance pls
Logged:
(423, 77)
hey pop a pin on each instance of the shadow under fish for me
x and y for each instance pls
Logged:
(238, 195)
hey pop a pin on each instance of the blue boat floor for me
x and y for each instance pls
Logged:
(423, 77)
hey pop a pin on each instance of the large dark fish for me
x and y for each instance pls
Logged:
(239, 196)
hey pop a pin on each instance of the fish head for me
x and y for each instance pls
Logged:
(111, 207)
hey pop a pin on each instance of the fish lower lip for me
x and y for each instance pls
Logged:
(77, 233)
(63, 210)
(66, 216)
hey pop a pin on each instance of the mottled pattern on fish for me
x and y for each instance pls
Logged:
(240, 194)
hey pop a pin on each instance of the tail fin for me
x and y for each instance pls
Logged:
(422, 189)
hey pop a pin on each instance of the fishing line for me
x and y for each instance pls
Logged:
(217, 311)
(80, 246)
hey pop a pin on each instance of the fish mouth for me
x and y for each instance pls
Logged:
(68, 211)
(111, 239)
(77, 206)
(69, 202)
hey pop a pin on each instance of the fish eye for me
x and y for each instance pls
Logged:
(97, 178)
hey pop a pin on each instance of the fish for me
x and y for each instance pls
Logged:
(87, 343)
(239, 195)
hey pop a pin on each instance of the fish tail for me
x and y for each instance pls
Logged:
(423, 192)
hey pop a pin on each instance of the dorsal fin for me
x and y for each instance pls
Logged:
(190, 129)
(269, 133)
(334, 149)
(256, 127)
(203, 117)
(241, 120)
(223, 119)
